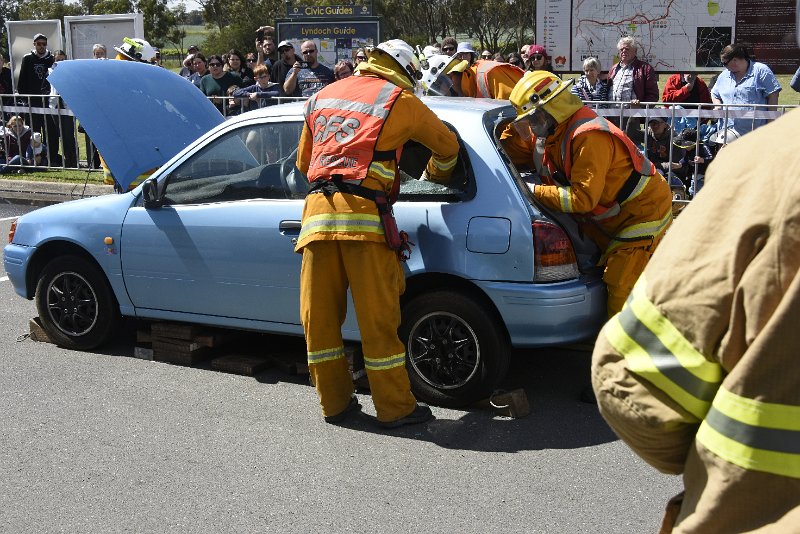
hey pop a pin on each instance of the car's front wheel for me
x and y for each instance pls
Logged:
(456, 351)
(75, 304)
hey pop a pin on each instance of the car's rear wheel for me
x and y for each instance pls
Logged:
(75, 304)
(456, 351)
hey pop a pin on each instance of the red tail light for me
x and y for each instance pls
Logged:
(12, 231)
(553, 255)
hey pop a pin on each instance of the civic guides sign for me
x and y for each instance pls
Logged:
(328, 11)
(673, 35)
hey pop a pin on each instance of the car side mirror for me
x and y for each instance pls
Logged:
(152, 198)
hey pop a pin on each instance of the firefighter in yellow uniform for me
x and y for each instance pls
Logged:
(446, 76)
(698, 373)
(349, 149)
(591, 169)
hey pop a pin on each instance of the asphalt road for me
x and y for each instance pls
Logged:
(103, 442)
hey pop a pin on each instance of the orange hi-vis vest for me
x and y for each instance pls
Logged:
(345, 119)
(482, 76)
(585, 120)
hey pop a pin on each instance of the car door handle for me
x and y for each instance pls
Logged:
(289, 227)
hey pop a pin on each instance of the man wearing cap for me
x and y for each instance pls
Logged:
(33, 81)
(308, 77)
(591, 169)
(280, 70)
(348, 149)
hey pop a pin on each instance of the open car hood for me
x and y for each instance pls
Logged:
(137, 115)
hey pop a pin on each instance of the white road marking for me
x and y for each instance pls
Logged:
(4, 279)
(9, 218)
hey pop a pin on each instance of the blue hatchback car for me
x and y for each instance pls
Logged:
(209, 237)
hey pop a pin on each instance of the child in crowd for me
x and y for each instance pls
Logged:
(695, 159)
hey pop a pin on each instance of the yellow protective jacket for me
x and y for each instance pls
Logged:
(601, 164)
(490, 79)
(699, 371)
(344, 216)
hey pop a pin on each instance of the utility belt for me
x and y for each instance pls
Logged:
(396, 239)
(629, 189)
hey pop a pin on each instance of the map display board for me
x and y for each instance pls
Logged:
(335, 40)
(673, 35)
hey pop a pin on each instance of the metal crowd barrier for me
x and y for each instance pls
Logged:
(61, 131)
(58, 125)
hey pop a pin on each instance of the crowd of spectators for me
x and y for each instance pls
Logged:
(237, 82)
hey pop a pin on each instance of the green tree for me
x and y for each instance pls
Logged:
(47, 9)
(499, 25)
(160, 22)
(236, 22)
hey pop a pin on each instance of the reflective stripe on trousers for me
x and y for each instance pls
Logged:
(375, 278)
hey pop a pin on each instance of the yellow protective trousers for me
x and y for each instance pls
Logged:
(376, 281)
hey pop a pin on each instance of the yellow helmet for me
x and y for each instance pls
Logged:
(542, 89)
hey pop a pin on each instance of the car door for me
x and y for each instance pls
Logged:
(222, 244)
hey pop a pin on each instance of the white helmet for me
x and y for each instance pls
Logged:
(724, 136)
(435, 80)
(404, 56)
(136, 49)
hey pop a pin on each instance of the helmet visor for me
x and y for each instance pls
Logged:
(533, 125)
(441, 86)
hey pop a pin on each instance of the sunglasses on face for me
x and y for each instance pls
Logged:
(448, 49)
(537, 56)
(215, 64)
(251, 60)
(486, 56)
(361, 58)
(309, 52)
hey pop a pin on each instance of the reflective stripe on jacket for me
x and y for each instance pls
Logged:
(698, 373)
(346, 122)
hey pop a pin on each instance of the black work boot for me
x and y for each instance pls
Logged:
(420, 414)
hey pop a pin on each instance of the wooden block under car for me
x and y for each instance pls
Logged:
(188, 353)
(177, 330)
(293, 362)
(37, 332)
(241, 364)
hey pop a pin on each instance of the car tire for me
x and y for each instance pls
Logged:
(456, 353)
(75, 304)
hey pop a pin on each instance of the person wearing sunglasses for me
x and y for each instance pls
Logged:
(218, 81)
(486, 55)
(538, 59)
(308, 75)
(361, 55)
(449, 46)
